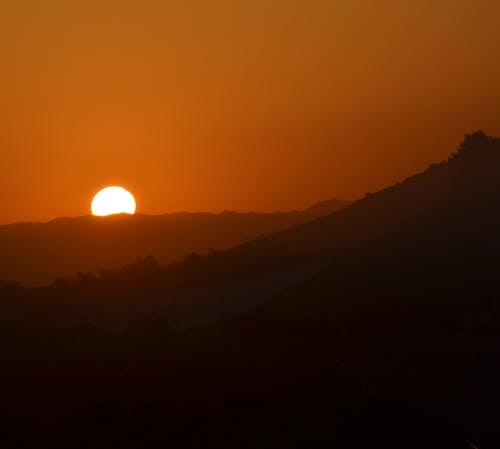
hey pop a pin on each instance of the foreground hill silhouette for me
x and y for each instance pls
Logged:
(37, 253)
(425, 210)
(390, 341)
(455, 202)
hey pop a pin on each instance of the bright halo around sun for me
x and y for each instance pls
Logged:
(113, 200)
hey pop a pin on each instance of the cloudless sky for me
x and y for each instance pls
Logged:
(245, 105)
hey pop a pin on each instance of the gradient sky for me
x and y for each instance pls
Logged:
(232, 104)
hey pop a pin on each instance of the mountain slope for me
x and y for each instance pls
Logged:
(37, 253)
(468, 183)
(415, 229)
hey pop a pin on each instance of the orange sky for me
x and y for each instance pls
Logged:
(232, 104)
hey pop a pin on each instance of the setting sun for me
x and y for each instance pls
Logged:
(113, 200)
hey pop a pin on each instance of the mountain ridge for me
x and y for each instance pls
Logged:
(36, 253)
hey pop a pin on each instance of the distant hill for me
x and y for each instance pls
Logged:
(38, 253)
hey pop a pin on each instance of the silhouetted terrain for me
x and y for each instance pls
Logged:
(377, 326)
(37, 253)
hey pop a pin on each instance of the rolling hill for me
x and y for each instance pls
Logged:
(38, 253)
(444, 216)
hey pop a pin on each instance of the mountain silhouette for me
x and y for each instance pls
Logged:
(449, 209)
(469, 180)
(38, 253)
(459, 195)
(375, 326)
(433, 226)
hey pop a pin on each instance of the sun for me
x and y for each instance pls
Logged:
(113, 200)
